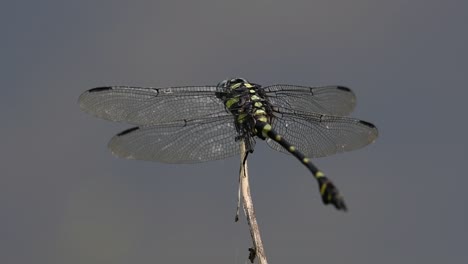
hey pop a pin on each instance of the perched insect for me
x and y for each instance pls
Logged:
(200, 123)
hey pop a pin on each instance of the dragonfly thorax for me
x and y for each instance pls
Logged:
(247, 103)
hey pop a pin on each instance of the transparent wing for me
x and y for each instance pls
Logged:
(318, 135)
(138, 106)
(330, 100)
(179, 142)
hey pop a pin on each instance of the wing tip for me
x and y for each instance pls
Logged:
(367, 124)
(370, 125)
(374, 132)
(117, 149)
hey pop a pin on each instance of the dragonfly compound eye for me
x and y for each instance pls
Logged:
(236, 83)
(223, 83)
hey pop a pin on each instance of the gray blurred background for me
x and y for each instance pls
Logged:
(65, 199)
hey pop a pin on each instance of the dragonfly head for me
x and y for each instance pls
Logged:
(233, 83)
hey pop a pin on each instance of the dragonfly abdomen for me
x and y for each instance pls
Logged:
(328, 191)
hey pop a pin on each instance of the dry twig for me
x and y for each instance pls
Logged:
(257, 250)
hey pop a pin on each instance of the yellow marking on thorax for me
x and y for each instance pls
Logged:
(231, 101)
(235, 86)
(259, 112)
(255, 98)
(248, 85)
(258, 104)
(241, 118)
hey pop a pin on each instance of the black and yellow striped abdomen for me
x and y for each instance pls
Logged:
(328, 191)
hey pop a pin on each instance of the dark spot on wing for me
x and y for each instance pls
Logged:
(127, 131)
(343, 88)
(366, 124)
(100, 89)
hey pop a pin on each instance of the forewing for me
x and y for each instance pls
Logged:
(179, 142)
(318, 135)
(139, 106)
(330, 100)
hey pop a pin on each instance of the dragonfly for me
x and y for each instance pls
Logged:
(191, 124)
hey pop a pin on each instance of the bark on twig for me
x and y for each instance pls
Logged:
(257, 250)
